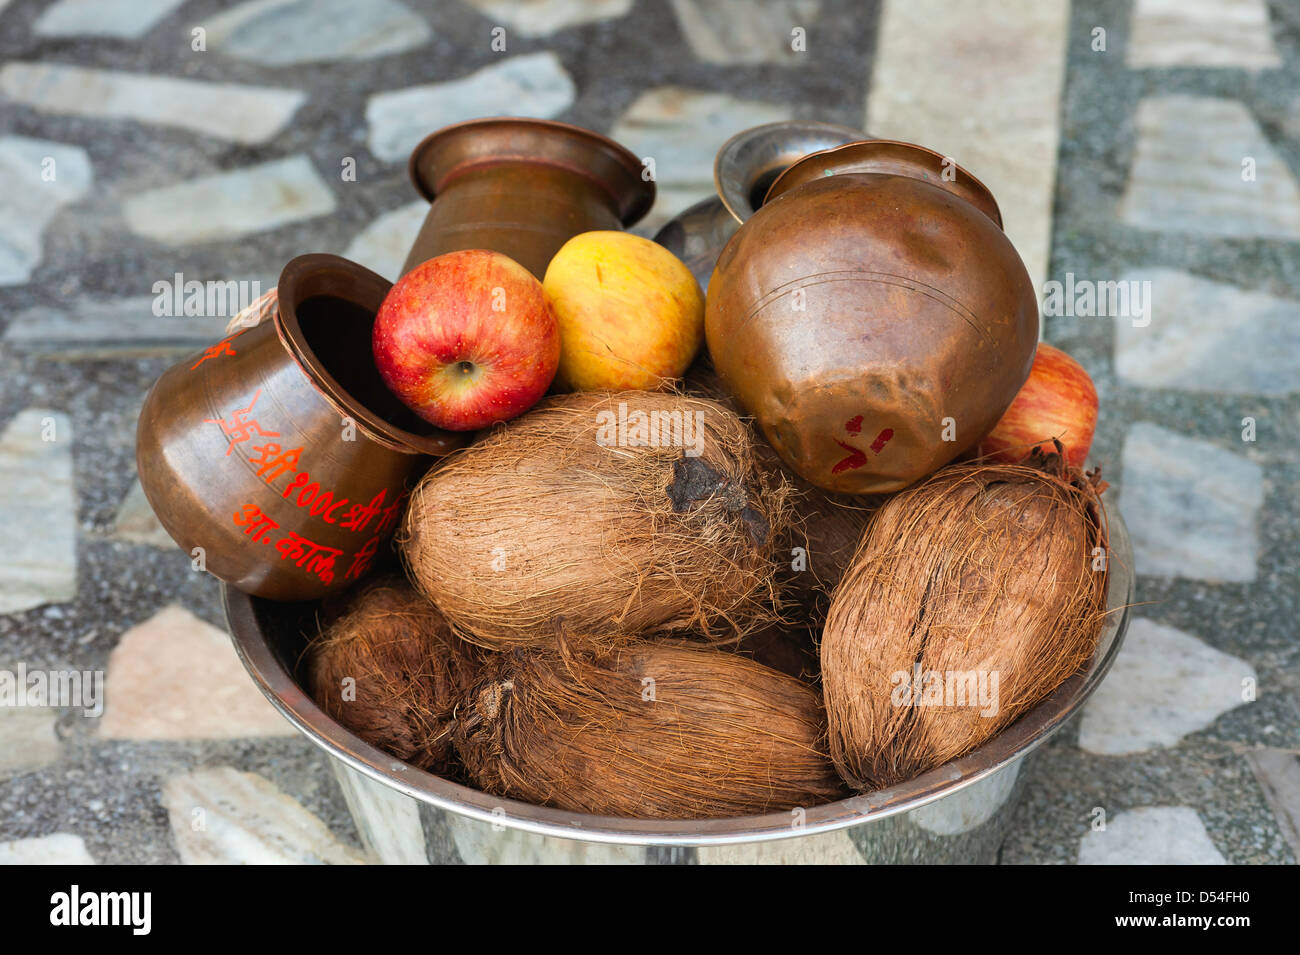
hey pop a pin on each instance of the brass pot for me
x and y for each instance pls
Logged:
(278, 451)
(522, 187)
(873, 316)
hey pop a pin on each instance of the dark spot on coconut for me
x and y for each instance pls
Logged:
(694, 480)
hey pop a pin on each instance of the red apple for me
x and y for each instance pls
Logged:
(467, 339)
(1058, 400)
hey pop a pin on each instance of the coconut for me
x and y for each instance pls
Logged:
(974, 595)
(825, 528)
(648, 729)
(630, 511)
(390, 670)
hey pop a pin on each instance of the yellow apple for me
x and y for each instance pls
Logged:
(631, 315)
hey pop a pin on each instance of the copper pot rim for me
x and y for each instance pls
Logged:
(632, 199)
(323, 274)
(732, 201)
(798, 174)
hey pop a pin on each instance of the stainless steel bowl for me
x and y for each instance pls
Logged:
(959, 812)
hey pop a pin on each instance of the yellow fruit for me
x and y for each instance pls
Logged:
(631, 315)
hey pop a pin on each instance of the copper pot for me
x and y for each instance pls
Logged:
(278, 451)
(522, 187)
(872, 315)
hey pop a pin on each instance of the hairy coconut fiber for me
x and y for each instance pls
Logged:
(648, 729)
(825, 528)
(408, 671)
(577, 512)
(973, 596)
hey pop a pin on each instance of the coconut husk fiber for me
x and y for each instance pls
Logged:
(825, 528)
(562, 514)
(406, 673)
(648, 729)
(982, 571)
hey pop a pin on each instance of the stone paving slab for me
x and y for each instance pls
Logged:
(242, 114)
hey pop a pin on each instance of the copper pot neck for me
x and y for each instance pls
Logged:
(891, 158)
(610, 168)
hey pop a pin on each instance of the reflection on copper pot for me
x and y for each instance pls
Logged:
(872, 315)
(276, 457)
(522, 187)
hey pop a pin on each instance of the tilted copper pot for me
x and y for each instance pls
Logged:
(278, 452)
(872, 315)
(522, 187)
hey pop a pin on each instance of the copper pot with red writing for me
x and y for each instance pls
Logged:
(277, 457)
(872, 315)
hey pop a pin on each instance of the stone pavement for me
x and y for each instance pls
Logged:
(145, 144)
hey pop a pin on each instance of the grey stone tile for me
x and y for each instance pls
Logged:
(1210, 336)
(230, 111)
(539, 18)
(231, 204)
(41, 178)
(137, 523)
(747, 31)
(126, 19)
(1163, 685)
(38, 565)
(1278, 772)
(61, 848)
(1202, 165)
(681, 130)
(1192, 509)
(223, 816)
(27, 738)
(1151, 835)
(1208, 33)
(535, 85)
(286, 32)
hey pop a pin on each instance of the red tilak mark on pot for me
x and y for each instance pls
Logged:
(855, 460)
(882, 439)
(854, 425)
